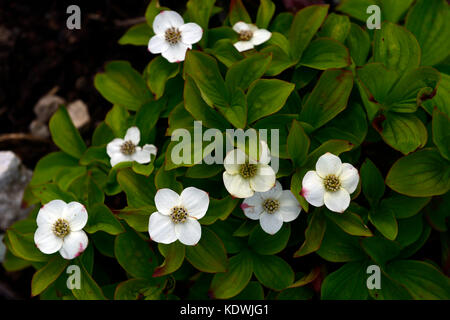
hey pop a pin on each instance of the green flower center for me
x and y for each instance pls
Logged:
(178, 215)
(332, 183)
(61, 228)
(271, 205)
(245, 35)
(128, 148)
(173, 35)
(248, 170)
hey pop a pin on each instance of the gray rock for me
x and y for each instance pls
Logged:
(14, 178)
(46, 107)
(2, 249)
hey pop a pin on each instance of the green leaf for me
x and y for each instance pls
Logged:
(338, 128)
(65, 135)
(219, 209)
(253, 291)
(384, 220)
(204, 70)
(411, 89)
(156, 74)
(23, 246)
(266, 244)
(372, 182)
(265, 13)
(147, 117)
(139, 189)
(305, 25)
(135, 255)
(409, 230)
(422, 280)
(350, 223)
(421, 174)
(117, 120)
(272, 271)
(429, 21)
(209, 254)
(440, 99)
(87, 190)
(167, 179)
(403, 132)
(338, 246)
(356, 8)
(280, 60)
(336, 27)
(403, 206)
(12, 263)
(358, 43)
(393, 10)
(49, 166)
(267, 96)
(174, 254)
(134, 289)
(390, 290)
(380, 249)
(199, 11)
(47, 275)
(238, 12)
(347, 283)
(325, 53)
(137, 218)
(89, 289)
(396, 47)
(314, 234)
(137, 35)
(297, 144)
(48, 192)
(143, 169)
(328, 98)
(441, 133)
(300, 293)
(229, 284)
(224, 50)
(152, 11)
(102, 219)
(242, 73)
(95, 154)
(335, 147)
(121, 84)
(198, 108)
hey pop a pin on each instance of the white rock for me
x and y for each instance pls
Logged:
(14, 178)
(79, 113)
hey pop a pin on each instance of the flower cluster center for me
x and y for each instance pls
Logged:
(173, 35)
(178, 215)
(271, 205)
(61, 228)
(128, 148)
(332, 183)
(245, 35)
(248, 170)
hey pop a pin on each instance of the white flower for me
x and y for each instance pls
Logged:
(244, 175)
(126, 149)
(172, 36)
(177, 215)
(249, 36)
(60, 227)
(272, 208)
(331, 183)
